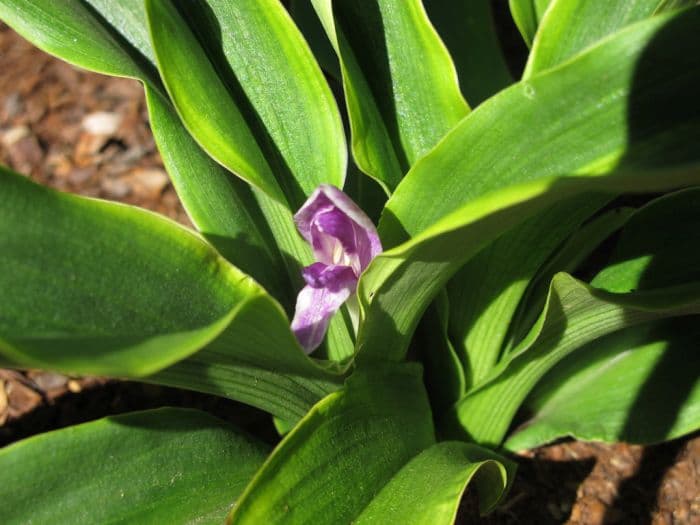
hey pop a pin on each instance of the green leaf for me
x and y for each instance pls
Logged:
(659, 246)
(387, 50)
(102, 288)
(223, 208)
(575, 315)
(485, 293)
(602, 143)
(638, 386)
(444, 374)
(527, 15)
(158, 466)
(573, 25)
(68, 29)
(344, 450)
(429, 488)
(477, 320)
(468, 30)
(568, 27)
(249, 90)
(566, 259)
(219, 204)
(307, 21)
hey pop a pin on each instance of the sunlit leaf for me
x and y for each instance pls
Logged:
(587, 141)
(102, 288)
(400, 84)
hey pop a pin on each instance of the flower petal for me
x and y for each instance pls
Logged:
(329, 211)
(333, 277)
(329, 287)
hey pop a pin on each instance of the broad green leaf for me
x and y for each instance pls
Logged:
(587, 141)
(103, 288)
(568, 27)
(249, 90)
(218, 203)
(572, 25)
(575, 315)
(429, 488)
(334, 462)
(485, 293)
(566, 259)
(400, 85)
(659, 246)
(632, 386)
(585, 125)
(527, 15)
(468, 30)
(157, 466)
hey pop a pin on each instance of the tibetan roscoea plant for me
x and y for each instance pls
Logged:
(521, 295)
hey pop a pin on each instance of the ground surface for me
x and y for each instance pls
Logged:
(89, 134)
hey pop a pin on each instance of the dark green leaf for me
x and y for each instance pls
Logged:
(567, 259)
(638, 386)
(575, 315)
(160, 466)
(468, 30)
(659, 246)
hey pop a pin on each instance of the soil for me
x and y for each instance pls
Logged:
(89, 134)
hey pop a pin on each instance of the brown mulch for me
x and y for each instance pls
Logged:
(89, 134)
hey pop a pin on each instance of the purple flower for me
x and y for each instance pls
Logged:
(344, 241)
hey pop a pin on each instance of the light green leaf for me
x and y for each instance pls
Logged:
(572, 25)
(638, 386)
(400, 84)
(468, 30)
(70, 29)
(587, 141)
(102, 288)
(429, 488)
(218, 203)
(249, 90)
(270, 117)
(575, 315)
(320, 472)
(527, 15)
(158, 466)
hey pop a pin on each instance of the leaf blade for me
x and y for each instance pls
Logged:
(160, 465)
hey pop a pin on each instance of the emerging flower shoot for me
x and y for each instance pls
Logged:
(344, 241)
